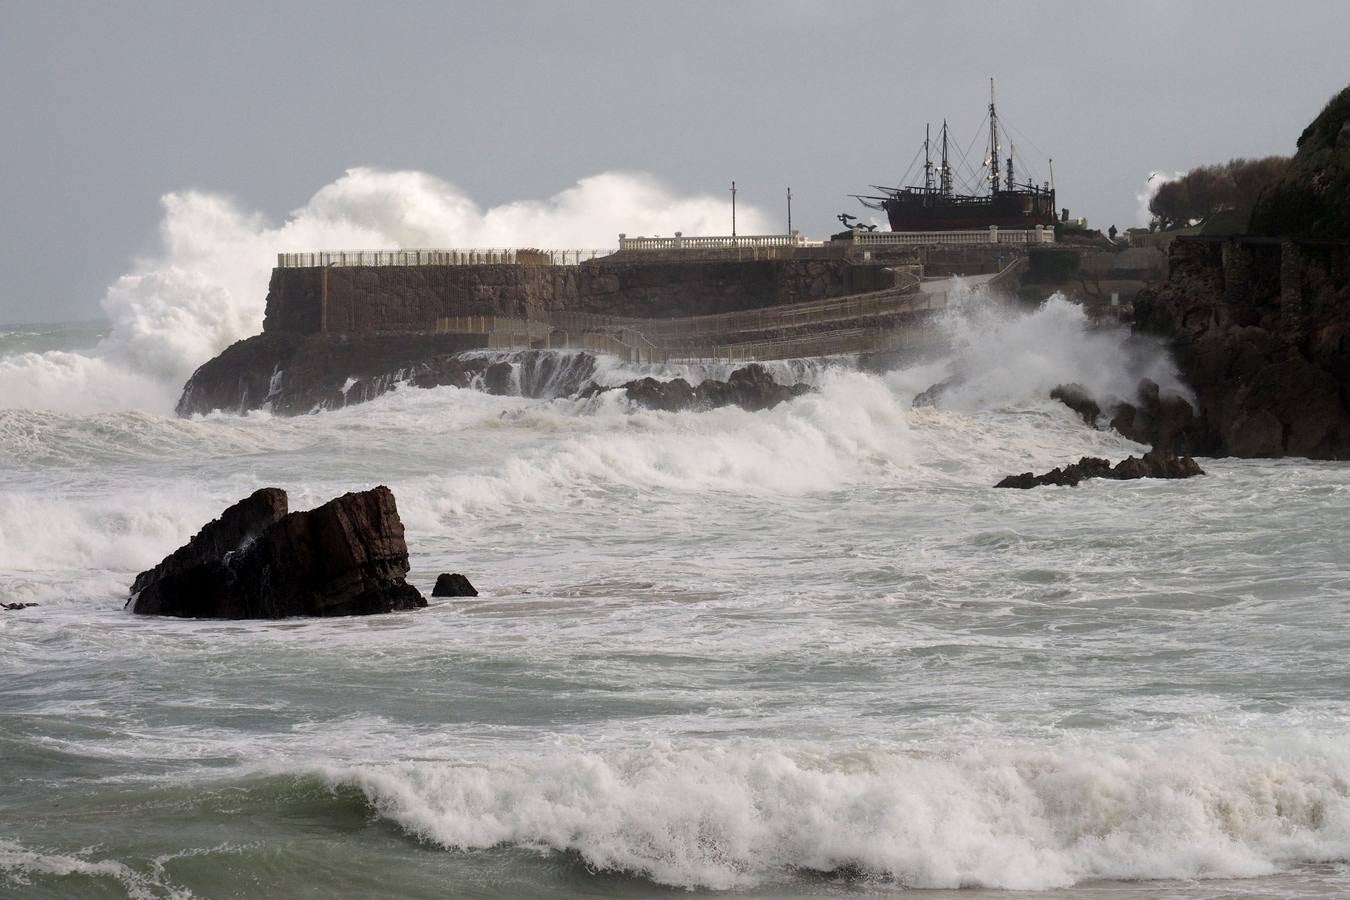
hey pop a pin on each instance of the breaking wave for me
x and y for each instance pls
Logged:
(735, 816)
(207, 285)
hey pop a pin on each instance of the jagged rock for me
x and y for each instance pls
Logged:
(1152, 464)
(667, 396)
(751, 388)
(1076, 398)
(453, 584)
(258, 561)
(933, 393)
(294, 374)
(1166, 423)
(15, 607)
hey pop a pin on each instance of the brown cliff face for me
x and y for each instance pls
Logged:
(1261, 325)
(1261, 332)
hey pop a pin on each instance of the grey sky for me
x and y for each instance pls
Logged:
(107, 106)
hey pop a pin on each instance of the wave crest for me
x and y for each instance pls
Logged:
(737, 816)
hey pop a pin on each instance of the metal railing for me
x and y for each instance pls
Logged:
(715, 242)
(991, 235)
(713, 337)
(438, 257)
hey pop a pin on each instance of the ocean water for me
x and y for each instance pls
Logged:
(802, 652)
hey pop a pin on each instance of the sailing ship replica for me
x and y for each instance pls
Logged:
(936, 206)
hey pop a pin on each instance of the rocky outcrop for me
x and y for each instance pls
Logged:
(1151, 465)
(1167, 422)
(1260, 326)
(1261, 333)
(259, 561)
(292, 374)
(453, 584)
(15, 607)
(751, 388)
(1076, 398)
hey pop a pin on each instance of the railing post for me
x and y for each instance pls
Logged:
(993, 234)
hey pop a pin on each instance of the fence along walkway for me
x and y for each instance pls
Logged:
(722, 336)
(437, 257)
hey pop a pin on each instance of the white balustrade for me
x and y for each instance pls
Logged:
(991, 235)
(437, 257)
(715, 242)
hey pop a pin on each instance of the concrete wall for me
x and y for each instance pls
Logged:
(371, 299)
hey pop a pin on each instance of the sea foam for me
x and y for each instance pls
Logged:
(205, 288)
(739, 815)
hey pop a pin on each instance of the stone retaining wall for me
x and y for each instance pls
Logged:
(366, 300)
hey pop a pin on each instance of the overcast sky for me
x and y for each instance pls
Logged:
(106, 107)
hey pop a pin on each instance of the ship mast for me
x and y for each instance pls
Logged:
(945, 173)
(993, 140)
(927, 164)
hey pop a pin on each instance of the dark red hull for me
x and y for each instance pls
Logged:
(917, 210)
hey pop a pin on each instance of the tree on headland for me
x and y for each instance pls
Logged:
(1206, 192)
(1312, 196)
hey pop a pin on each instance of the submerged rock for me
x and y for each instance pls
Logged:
(1153, 464)
(931, 395)
(15, 607)
(751, 388)
(453, 584)
(259, 561)
(1166, 422)
(668, 396)
(1076, 398)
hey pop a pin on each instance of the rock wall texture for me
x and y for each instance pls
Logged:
(1261, 325)
(382, 299)
(1261, 332)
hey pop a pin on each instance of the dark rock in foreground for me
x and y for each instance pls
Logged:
(453, 584)
(15, 607)
(258, 561)
(1152, 464)
(751, 388)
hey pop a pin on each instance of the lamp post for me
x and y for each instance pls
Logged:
(789, 195)
(733, 209)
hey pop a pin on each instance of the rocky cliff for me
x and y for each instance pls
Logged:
(1260, 325)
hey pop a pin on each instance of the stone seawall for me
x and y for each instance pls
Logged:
(385, 299)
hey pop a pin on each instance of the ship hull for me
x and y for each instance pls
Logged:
(922, 211)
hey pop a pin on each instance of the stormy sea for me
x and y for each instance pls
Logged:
(800, 652)
(807, 651)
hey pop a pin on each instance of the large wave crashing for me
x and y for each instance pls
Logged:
(206, 286)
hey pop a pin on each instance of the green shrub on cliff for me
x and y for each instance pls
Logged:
(1312, 198)
(1209, 194)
